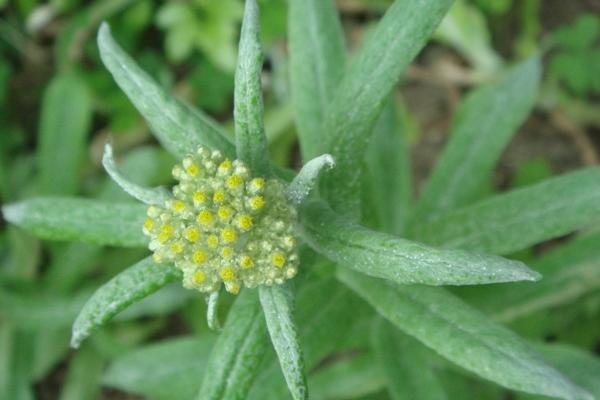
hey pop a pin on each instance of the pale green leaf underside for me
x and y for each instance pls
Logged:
(128, 287)
(372, 75)
(251, 142)
(234, 360)
(317, 55)
(520, 218)
(463, 335)
(179, 127)
(484, 123)
(303, 183)
(146, 195)
(278, 306)
(402, 261)
(212, 308)
(69, 218)
(404, 363)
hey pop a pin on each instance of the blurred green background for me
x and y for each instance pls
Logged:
(58, 106)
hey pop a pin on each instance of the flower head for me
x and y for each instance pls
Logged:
(223, 226)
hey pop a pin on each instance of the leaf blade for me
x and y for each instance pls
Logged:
(397, 39)
(70, 218)
(463, 335)
(179, 127)
(484, 123)
(519, 218)
(131, 285)
(251, 142)
(233, 361)
(317, 52)
(385, 256)
(278, 303)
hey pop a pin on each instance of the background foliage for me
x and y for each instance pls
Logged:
(59, 106)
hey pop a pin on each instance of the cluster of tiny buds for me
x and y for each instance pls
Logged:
(223, 226)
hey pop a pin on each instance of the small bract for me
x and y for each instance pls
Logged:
(224, 226)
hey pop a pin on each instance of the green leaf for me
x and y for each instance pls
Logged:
(278, 306)
(349, 378)
(65, 121)
(372, 75)
(570, 271)
(128, 287)
(404, 364)
(303, 183)
(324, 309)
(177, 126)
(146, 195)
(250, 138)
(520, 218)
(159, 370)
(402, 261)
(484, 124)
(240, 347)
(69, 218)
(83, 379)
(317, 55)
(387, 180)
(463, 335)
(580, 366)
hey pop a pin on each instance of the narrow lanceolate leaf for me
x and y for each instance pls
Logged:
(387, 181)
(397, 39)
(178, 127)
(570, 272)
(69, 218)
(145, 195)
(399, 260)
(317, 53)
(404, 363)
(240, 347)
(278, 306)
(64, 125)
(520, 218)
(159, 370)
(483, 126)
(463, 335)
(250, 138)
(131, 285)
(306, 179)
(582, 367)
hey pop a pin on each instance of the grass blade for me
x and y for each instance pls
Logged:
(278, 306)
(317, 53)
(397, 39)
(240, 347)
(177, 126)
(404, 364)
(485, 122)
(65, 121)
(145, 195)
(463, 335)
(385, 256)
(250, 138)
(130, 286)
(69, 218)
(520, 218)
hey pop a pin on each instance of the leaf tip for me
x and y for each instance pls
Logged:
(13, 212)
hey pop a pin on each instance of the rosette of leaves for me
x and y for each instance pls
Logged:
(446, 238)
